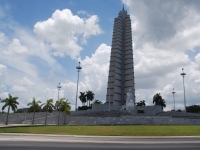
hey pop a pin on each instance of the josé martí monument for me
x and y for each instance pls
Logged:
(121, 69)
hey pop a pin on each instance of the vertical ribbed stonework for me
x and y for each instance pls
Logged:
(121, 69)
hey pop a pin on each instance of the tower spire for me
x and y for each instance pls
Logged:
(121, 70)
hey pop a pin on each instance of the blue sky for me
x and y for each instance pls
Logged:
(42, 41)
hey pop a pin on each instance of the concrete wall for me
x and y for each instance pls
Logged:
(142, 119)
(151, 110)
(20, 118)
(131, 120)
(124, 120)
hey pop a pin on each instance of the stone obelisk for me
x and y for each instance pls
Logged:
(121, 69)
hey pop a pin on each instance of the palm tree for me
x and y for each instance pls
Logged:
(35, 107)
(10, 102)
(90, 96)
(82, 98)
(58, 106)
(65, 108)
(48, 107)
(157, 99)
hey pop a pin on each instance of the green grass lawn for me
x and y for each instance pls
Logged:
(134, 130)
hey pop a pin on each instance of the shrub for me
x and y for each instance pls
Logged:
(193, 109)
(84, 107)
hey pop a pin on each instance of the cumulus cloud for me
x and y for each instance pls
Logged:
(18, 89)
(155, 63)
(163, 32)
(95, 75)
(64, 31)
(16, 48)
(96, 69)
(3, 38)
(158, 21)
(30, 70)
(26, 82)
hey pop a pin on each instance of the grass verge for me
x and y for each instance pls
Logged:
(135, 130)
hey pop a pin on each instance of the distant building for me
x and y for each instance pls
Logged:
(121, 69)
(23, 110)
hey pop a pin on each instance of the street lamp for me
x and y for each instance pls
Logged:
(174, 98)
(59, 87)
(78, 68)
(183, 74)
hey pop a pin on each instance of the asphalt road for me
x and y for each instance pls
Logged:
(52, 142)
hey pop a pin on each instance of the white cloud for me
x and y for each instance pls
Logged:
(96, 69)
(156, 63)
(18, 89)
(95, 74)
(64, 30)
(69, 92)
(16, 48)
(30, 70)
(26, 82)
(162, 34)
(82, 12)
(3, 70)
(3, 38)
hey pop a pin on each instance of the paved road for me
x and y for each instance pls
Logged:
(44, 142)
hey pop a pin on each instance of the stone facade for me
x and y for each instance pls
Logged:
(121, 69)
(137, 119)
(105, 107)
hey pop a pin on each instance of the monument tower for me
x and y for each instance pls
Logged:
(121, 69)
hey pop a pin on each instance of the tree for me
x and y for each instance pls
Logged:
(58, 106)
(10, 102)
(34, 107)
(82, 98)
(48, 107)
(193, 109)
(157, 99)
(37, 108)
(141, 103)
(90, 96)
(65, 108)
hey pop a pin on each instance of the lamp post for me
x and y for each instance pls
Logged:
(78, 68)
(183, 74)
(59, 87)
(174, 98)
